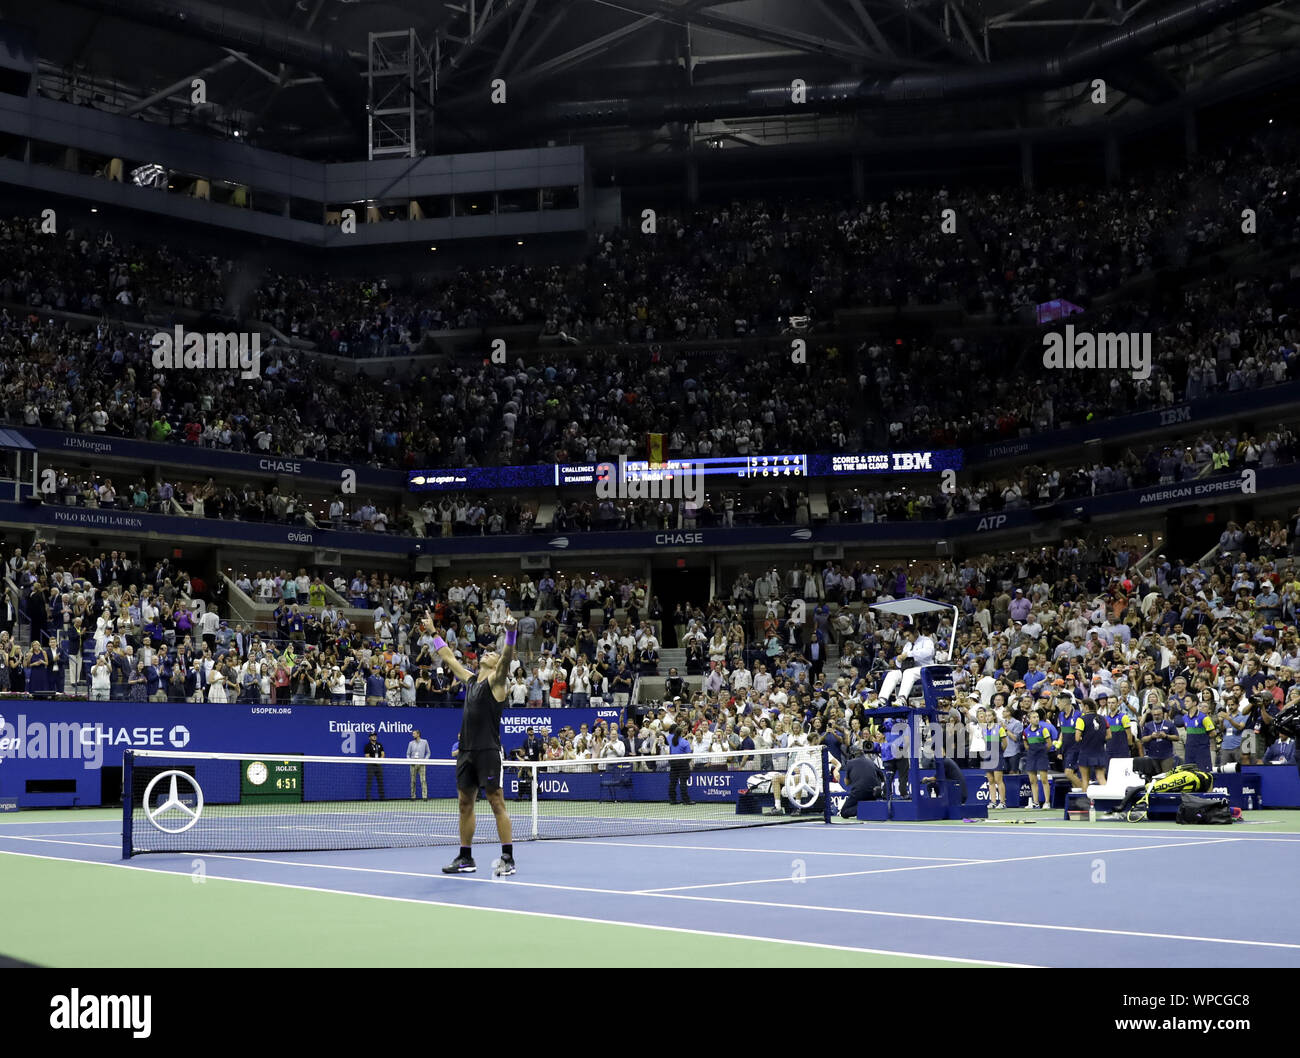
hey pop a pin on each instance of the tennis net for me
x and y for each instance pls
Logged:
(220, 802)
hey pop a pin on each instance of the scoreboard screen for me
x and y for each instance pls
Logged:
(724, 467)
(719, 468)
(932, 461)
(786, 466)
(271, 780)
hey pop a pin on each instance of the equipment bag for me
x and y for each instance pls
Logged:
(1186, 778)
(1203, 810)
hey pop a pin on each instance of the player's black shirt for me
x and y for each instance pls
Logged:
(480, 725)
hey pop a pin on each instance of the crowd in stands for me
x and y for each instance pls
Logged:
(462, 514)
(1210, 650)
(1040, 633)
(123, 632)
(1212, 452)
(695, 279)
(97, 273)
(552, 409)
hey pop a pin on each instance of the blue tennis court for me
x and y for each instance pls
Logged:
(992, 893)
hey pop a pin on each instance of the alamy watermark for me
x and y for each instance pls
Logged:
(131, 1013)
(208, 351)
(24, 739)
(641, 480)
(1109, 351)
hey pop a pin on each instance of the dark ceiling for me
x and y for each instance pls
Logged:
(644, 75)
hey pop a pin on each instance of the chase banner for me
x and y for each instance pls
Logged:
(68, 753)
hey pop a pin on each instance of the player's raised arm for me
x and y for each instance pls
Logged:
(501, 674)
(445, 652)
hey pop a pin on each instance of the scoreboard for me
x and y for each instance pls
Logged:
(792, 466)
(271, 780)
(720, 468)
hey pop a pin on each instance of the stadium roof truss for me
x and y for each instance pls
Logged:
(646, 75)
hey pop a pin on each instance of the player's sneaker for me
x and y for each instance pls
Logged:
(503, 866)
(461, 865)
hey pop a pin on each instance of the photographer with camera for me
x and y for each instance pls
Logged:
(1265, 703)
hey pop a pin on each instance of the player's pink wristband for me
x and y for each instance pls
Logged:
(510, 637)
(438, 643)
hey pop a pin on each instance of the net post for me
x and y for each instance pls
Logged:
(536, 779)
(128, 801)
(826, 784)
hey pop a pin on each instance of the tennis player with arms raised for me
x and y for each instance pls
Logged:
(478, 760)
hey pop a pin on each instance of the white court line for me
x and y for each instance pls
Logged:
(940, 827)
(515, 881)
(59, 841)
(980, 921)
(736, 848)
(547, 914)
(936, 866)
(937, 827)
(838, 910)
(65, 834)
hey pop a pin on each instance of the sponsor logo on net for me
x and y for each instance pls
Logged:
(48, 740)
